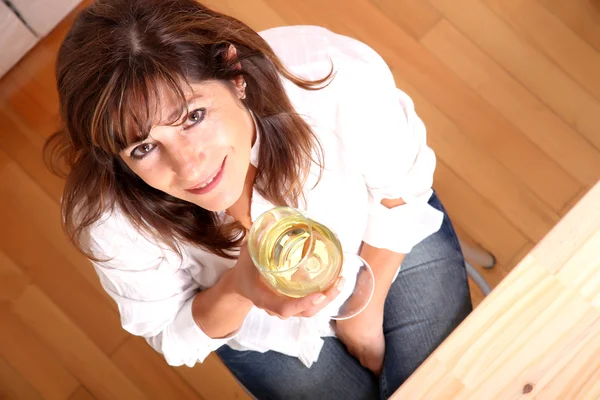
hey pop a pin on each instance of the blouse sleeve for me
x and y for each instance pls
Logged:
(388, 141)
(153, 292)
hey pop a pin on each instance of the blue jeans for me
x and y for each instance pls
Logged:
(428, 300)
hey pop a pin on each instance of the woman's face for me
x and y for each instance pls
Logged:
(205, 160)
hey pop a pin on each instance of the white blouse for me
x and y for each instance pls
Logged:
(374, 146)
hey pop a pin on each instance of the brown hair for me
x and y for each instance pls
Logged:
(109, 68)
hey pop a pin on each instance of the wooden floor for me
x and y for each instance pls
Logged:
(509, 91)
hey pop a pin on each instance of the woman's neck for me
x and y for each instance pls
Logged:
(240, 210)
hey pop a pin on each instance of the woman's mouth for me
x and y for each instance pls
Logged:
(210, 183)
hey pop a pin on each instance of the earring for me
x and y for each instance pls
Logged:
(244, 92)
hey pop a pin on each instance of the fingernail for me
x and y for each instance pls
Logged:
(340, 284)
(319, 299)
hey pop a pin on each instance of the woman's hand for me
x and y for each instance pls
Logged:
(251, 285)
(363, 337)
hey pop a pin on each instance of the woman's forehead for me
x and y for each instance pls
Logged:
(170, 104)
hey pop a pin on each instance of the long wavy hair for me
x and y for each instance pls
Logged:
(109, 68)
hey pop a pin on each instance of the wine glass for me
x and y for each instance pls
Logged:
(298, 256)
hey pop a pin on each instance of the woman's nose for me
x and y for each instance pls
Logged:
(187, 161)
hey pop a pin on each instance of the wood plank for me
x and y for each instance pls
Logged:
(35, 107)
(438, 383)
(52, 272)
(32, 359)
(4, 159)
(150, 372)
(517, 204)
(12, 280)
(37, 65)
(478, 217)
(81, 394)
(574, 201)
(521, 254)
(548, 34)
(415, 17)
(538, 328)
(576, 106)
(543, 127)
(213, 380)
(26, 150)
(527, 295)
(478, 355)
(12, 80)
(257, 13)
(23, 109)
(587, 283)
(9, 122)
(33, 99)
(581, 223)
(494, 275)
(13, 386)
(547, 353)
(41, 213)
(579, 379)
(490, 179)
(74, 348)
(581, 16)
(475, 292)
(45, 78)
(475, 117)
(565, 378)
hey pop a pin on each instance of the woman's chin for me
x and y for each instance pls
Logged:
(221, 202)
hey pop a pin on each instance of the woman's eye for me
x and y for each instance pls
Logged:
(140, 151)
(194, 117)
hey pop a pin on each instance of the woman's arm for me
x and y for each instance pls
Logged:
(220, 310)
(388, 140)
(384, 262)
(363, 334)
(162, 303)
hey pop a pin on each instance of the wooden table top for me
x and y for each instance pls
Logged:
(537, 335)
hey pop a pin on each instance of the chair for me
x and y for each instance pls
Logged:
(481, 257)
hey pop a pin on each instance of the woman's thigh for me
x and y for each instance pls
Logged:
(428, 300)
(336, 374)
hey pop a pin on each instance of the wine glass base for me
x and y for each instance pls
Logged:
(357, 289)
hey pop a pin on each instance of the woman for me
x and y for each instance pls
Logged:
(182, 125)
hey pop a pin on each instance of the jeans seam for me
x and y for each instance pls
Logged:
(446, 221)
(384, 386)
(455, 240)
(452, 234)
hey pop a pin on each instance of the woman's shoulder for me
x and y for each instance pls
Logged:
(312, 51)
(301, 45)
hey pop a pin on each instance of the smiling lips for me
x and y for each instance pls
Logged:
(210, 183)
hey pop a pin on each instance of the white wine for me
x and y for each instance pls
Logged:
(281, 251)
(298, 256)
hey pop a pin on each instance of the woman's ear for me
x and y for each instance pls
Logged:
(239, 82)
(232, 55)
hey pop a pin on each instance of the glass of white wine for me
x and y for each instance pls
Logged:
(298, 256)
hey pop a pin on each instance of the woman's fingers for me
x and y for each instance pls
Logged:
(285, 307)
(272, 314)
(321, 301)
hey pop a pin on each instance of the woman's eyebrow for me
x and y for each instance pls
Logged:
(175, 114)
